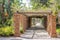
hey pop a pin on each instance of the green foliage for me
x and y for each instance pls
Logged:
(37, 4)
(6, 31)
(58, 31)
(0, 19)
(9, 22)
(6, 20)
(58, 4)
(1, 2)
(15, 6)
(21, 28)
(7, 8)
(53, 5)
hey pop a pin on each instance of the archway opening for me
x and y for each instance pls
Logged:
(37, 22)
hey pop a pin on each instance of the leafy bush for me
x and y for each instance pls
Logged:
(21, 30)
(9, 22)
(6, 31)
(58, 31)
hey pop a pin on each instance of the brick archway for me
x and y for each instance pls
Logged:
(31, 24)
(22, 17)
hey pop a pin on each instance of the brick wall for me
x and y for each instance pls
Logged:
(19, 20)
(16, 24)
(48, 21)
(24, 21)
(51, 26)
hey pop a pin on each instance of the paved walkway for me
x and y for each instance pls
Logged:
(32, 34)
(35, 34)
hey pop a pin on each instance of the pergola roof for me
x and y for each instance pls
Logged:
(36, 13)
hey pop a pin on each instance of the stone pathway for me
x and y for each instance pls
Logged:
(32, 35)
(18, 38)
(35, 34)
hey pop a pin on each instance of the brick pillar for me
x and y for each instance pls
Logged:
(53, 26)
(48, 19)
(48, 24)
(16, 24)
(23, 21)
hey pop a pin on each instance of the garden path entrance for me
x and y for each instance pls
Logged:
(23, 19)
(35, 33)
(37, 21)
(36, 28)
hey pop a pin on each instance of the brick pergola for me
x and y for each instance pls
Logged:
(22, 18)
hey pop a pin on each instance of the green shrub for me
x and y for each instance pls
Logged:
(58, 31)
(6, 31)
(21, 30)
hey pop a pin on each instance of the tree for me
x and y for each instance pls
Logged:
(15, 6)
(1, 3)
(5, 12)
(58, 4)
(37, 4)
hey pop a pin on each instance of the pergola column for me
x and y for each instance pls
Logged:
(48, 23)
(23, 21)
(16, 24)
(51, 25)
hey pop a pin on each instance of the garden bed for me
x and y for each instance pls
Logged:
(6, 31)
